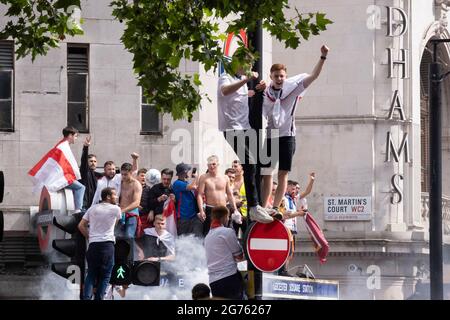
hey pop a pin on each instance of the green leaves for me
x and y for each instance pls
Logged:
(164, 51)
(197, 81)
(40, 25)
(160, 34)
(321, 21)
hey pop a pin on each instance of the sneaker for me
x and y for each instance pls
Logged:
(260, 214)
(276, 214)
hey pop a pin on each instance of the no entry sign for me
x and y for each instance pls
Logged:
(268, 245)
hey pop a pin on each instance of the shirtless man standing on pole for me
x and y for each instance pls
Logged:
(216, 189)
(130, 198)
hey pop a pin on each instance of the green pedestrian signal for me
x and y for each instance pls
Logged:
(120, 273)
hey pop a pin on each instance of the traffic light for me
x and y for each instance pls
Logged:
(146, 273)
(74, 248)
(126, 271)
(123, 262)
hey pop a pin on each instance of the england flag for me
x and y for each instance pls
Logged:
(319, 242)
(56, 170)
(171, 218)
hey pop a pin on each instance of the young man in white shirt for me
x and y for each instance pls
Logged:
(296, 206)
(281, 98)
(233, 112)
(223, 251)
(101, 219)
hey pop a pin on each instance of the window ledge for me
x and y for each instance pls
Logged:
(151, 133)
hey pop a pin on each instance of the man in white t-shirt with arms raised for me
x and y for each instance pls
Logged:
(281, 99)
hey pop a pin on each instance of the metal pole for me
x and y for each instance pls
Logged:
(255, 119)
(255, 103)
(255, 114)
(436, 272)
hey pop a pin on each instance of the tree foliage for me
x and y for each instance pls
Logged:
(160, 34)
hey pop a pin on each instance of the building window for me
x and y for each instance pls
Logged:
(78, 87)
(151, 119)
(6, 86)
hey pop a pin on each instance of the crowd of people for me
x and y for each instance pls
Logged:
(151, 208)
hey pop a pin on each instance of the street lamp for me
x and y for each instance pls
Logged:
(435, 127)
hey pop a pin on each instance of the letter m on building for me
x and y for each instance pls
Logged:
(397, 153)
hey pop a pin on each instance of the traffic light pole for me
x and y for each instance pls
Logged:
(435, 165)
(74, 248)
(255, 119)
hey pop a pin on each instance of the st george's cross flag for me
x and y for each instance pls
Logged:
(56, 170)
(171, 218)
(319, 242)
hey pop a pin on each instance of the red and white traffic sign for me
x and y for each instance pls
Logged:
(268, 245)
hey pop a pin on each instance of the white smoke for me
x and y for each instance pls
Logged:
(54, 287)
(190, 267)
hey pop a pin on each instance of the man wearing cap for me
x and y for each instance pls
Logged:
(152, 177)
(186, 207)
(159, 193)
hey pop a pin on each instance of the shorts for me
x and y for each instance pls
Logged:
(286, 151)
(207, 222)
(190, 226)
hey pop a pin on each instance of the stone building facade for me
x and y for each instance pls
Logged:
(362, 127)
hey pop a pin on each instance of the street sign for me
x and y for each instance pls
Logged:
(356, 208)
(268, 245)
(278, 287)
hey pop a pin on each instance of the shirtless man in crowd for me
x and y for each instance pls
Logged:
(216, 189)
(130, 198)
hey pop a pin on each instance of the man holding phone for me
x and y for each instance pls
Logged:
(186, 206)
(159, 193)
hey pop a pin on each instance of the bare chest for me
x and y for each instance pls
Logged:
(127, 191)
(215, 184)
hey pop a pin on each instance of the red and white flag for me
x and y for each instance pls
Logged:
(319, 242)
(56, 170)
(171, 218)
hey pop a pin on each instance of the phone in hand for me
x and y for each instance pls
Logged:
(194, 171)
